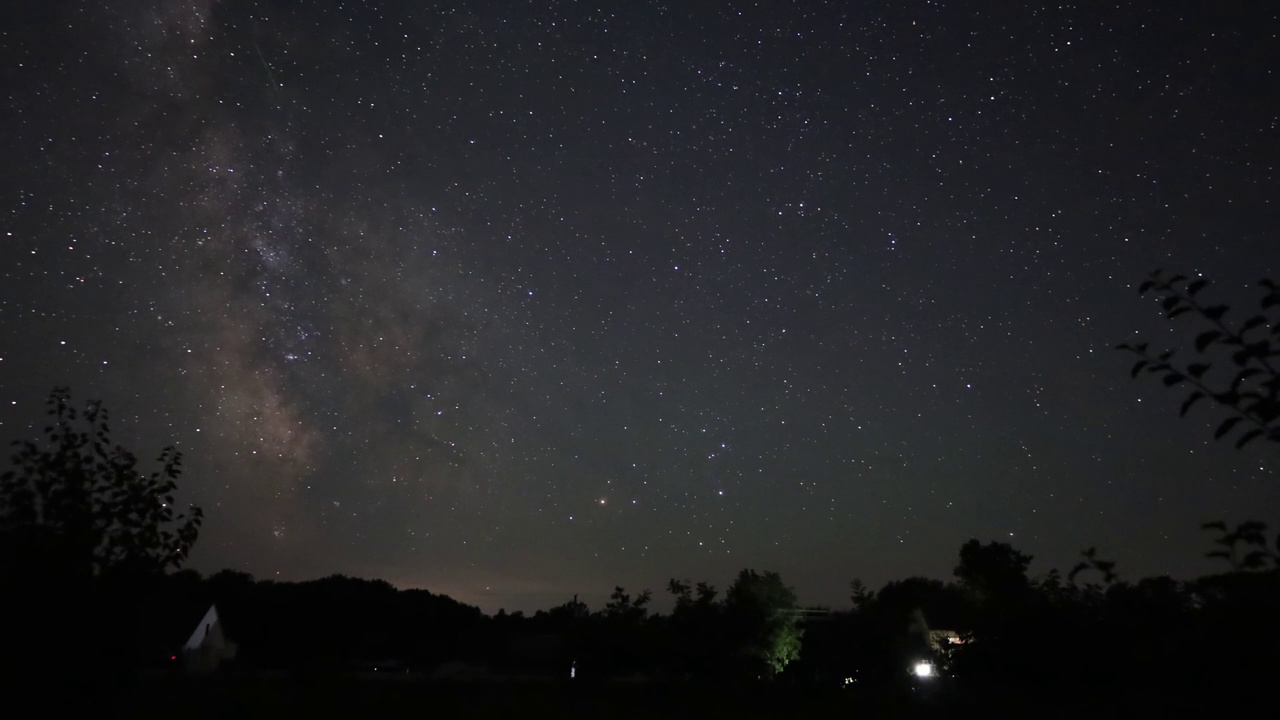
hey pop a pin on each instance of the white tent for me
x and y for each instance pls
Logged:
(208, 646)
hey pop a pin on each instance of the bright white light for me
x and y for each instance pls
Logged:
(923, 669)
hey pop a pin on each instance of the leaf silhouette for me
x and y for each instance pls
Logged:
(1079, 568)
(1243, 375)
(1195, 396)
(1247, 438)
(1252, 323)
(1225, 427)
(1252, 531)
(1254, 559)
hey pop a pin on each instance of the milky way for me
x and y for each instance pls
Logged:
(517, 303)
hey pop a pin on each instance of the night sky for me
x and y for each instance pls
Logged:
(513, 301)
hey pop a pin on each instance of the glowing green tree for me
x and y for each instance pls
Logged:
(762, 612)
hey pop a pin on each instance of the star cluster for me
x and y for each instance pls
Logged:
(513, 301)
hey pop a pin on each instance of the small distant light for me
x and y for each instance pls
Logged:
(923, 669)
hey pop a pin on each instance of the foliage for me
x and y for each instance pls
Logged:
(859, 595)
(1250, 350)
(1245, 547)
(680, 590)
(78, 504)
(1093, 562)
(1252, 395)
(572, 611)
(993, 573)
(762, 611)
(941, 605)
(622, 607)
(695, 633)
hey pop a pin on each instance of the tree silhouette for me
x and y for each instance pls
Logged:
(859, 595)
(697, 636)
(76, 504)
(762, 614)
(622, 606)
(1251, 351)
(993, 573)
(680, 590)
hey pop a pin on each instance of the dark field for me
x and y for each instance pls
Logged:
(365, 697)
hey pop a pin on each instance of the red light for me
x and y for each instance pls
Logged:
(173, 657)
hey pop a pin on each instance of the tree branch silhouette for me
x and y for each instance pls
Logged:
(1253, 393)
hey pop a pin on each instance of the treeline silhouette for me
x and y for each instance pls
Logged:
(992, 635)
(343, 624)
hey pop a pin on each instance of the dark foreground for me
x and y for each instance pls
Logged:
(401, 697)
